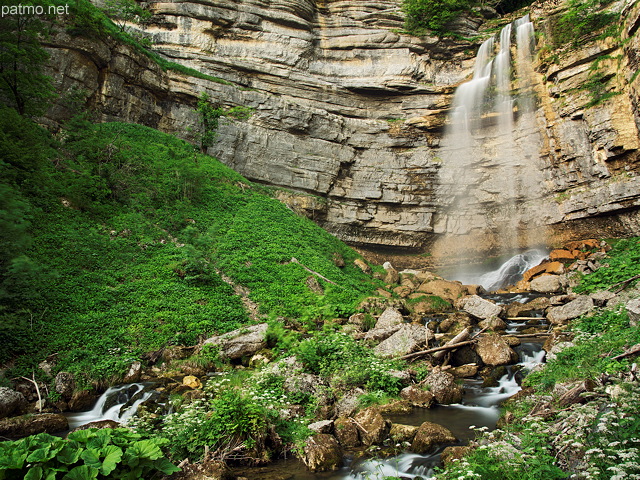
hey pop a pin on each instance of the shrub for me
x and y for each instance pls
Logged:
(431, 15)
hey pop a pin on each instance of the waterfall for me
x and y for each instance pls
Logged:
(489, 152)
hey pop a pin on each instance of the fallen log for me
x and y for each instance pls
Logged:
(462, 336)
(455, 342)
(624, 283)
(632, 351)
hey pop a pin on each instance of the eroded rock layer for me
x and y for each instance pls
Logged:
(346, 108)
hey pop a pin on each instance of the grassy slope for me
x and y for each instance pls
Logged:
(120, 231)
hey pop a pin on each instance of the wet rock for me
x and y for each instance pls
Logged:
(323, 426)
(322, 453)
(65, 384)
(372, 426)
(417, 396)
(512, 341)
(395, 407)
(242, 342)
(494, 350)
(493, 323)
(402, 433)
(548, 284)
(134, 373)
(82, 400)
(346, 432)
(465, 355)
(443, 386)
(11, 402)
(480, 308)
(464, 371)
(449, 291)
(389, 318)
(573, 309)
(25, 425)
(633, 310)
(406, 340)
(475, 289)
(452, 454)
(430, 435)
(99, 424)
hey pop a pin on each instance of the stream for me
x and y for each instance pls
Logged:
(478, 408)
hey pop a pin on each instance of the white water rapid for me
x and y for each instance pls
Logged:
(117, 403)
(489, 179)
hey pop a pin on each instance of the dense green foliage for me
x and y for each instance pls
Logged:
(623, 264)
(114, 234)
(433, 15)
(84, 455)
(347, 363)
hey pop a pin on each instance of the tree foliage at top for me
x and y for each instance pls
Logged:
(432, 14)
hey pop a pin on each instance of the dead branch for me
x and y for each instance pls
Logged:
(295, 260)
(624, 283)
(632, 351)
(37, 390)
(438, 349)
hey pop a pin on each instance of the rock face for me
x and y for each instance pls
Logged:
(347, 108)
(18, 427)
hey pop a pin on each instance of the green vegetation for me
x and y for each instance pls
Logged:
(596, 437)
(624, 263)
(84, 455)
(112, 238)
(584, 19)
(432, 15)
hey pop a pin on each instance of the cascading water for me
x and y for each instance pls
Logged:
(117, 403)
(489, 180)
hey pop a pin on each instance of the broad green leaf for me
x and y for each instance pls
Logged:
(112, 456)
(41, 455)
(102, 438)
(69, 455)
(82, 436)
(13, 459)
(145, 449)
(91, 458)
(165, 466)
(83, 472)
(51, 474)
(34, 473)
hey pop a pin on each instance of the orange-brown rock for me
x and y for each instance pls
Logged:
(450, 291)
(561, 255)
(554, 268)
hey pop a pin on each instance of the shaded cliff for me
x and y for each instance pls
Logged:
(348, 109)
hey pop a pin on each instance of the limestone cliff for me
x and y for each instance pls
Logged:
(348, 109)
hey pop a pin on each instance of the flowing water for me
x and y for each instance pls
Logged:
(117, 403)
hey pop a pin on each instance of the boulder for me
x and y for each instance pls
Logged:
(602, 298)
(389, 318)
(380, 334)
(242, 342)
(322, 453)
(493, 323)
(402, 291)
(554, 268)
(99, 424)
(308, 383)
(443, 386)
(480, 308)
(362, 265)
(373, 427)
(494, 350)
(65, 384)
(346, 432)
(25, 425)
(406, 340)
(323, 426)
(402, 433)
(548, 284)
(561, 255)
(82, 400)
(571, 310)
(633, 310)
(465, 355)
(11, 402)
(465, 371)
(449, 291)
(430, 435)
(191, 382)
(349, 403)
(395, 407)
(392, 277)
(417, 396)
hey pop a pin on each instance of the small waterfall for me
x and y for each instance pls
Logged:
(489, 180)
(511, 271)
(116, 403)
